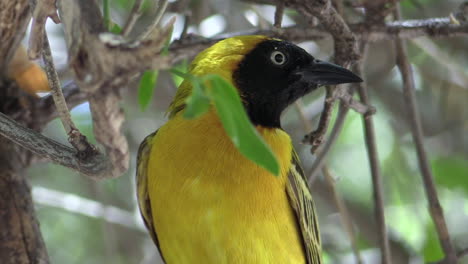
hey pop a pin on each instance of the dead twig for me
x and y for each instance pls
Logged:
(321, 155)
(43, 10)
(279, 13)
(75, 137)
(344, 215)
(372, 153)
(416, 130)
(315, 137)
(132, 18)
(162, 5)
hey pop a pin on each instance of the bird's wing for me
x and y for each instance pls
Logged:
(301, 200)
(142, 187)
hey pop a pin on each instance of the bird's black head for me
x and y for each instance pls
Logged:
(276, 73)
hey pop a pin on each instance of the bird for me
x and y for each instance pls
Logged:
(200, 198)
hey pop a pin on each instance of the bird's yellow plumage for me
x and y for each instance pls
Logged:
(201, 199)
(210, 203)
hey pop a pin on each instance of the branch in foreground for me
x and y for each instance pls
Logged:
(435, 208)
(320, 157)
(43, 10)
(92, 164)
(75, 137)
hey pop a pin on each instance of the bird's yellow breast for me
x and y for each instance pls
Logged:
(212, 205)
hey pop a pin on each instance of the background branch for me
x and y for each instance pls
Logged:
(435, 208)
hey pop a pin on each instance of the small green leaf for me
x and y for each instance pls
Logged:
(451, 172)
(238, 126)
(114, 27)
(432, 250)
(197, 103)
(181, 67)
(146, 88)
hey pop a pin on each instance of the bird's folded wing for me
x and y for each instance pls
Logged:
(301, 200)
(142, 186)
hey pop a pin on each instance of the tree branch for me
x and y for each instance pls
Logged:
(92, 164)
(344, 215)
(43, 10)
(372, 153)
(320, 157)
(416, 130)
(78, 140)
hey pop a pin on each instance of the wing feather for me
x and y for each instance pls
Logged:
(301, 200)
(144, 202)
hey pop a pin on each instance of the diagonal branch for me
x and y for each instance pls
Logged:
(75, 137)
(435, 208)
(93, 165)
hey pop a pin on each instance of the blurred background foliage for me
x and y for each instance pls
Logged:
(98, 222)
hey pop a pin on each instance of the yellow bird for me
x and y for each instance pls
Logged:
(201, 199)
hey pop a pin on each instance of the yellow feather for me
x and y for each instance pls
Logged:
(212, 205)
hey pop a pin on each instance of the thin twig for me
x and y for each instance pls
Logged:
(435, 208)
(344, 215)
(132, 18)
(315, 137)
(187, 17)
(43, 10)
(372, 153)
(75, 137)
(279, 13)
(320, 157)
(157, 17)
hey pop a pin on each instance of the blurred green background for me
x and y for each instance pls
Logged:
(98, 222)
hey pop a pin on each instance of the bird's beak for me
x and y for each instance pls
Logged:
(325, 73)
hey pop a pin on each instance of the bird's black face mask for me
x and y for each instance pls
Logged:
(276, 73)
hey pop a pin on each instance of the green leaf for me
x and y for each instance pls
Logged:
(451, 172)
(181, 67)
(197, 103)
(114, 27)
(238, 126)
(432, 250)
(146, 88)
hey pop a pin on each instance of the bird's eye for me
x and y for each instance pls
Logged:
(278, 57)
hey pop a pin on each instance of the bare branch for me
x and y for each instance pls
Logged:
(320, 157)
(132, 18)
(435, 208)
(315, 137)
(344, 215)
(43, 10)
(74, 135)
(45, 106)
(372, 153)
(279, 13)
(92, 164)
(162, 5)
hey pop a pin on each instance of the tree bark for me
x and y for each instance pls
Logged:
(20, 238)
